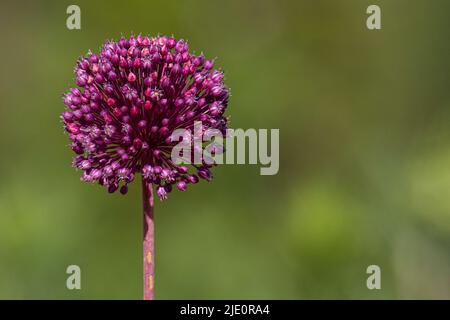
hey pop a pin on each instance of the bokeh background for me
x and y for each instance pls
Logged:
(364, 155)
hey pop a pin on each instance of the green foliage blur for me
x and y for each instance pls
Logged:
(364, 155)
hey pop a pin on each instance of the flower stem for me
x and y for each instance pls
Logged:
(149, 235)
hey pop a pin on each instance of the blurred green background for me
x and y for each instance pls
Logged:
(364, 155)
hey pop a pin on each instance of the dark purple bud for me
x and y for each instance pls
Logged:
(163, 103)
(142, 124)
(164, 131)
(193, 178)
(198, 61)
(165, 173)
(157, 170)
(124, 189)
(112, 76)
(161, 192)
(148, 81)
(190, 114)
(176, 70)
(216, 91)
(182, 169)
(179, 102)
(85, 164)
(204, 174)
(131, 77)
(134, 111)
(201, 102)
(156, 154)
(126, 140)
(78, 114)
(89, 118)
(93, 58)
(171, 42)
(181, 185)
(137, 143)
(67, 116)
(112, 187)
(96, 174)
(208, 64)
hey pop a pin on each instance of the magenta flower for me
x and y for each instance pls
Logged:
(132, 96)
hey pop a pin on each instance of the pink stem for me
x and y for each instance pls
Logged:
(149, 234)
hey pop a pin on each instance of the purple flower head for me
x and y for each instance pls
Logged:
(131, 97)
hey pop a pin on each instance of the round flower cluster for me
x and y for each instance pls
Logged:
(132, 96)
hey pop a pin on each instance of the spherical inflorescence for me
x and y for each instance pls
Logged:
(132, 96)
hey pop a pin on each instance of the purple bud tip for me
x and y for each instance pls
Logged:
(131, 77)
(156, 153)
(193, 178)
(124, 189)
(181, 185)
(112, 188)
(162, 193)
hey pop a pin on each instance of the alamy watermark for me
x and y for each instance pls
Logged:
(374, 280)
(229, 147)
(74, 279)
(373, 22)
(73, 21)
